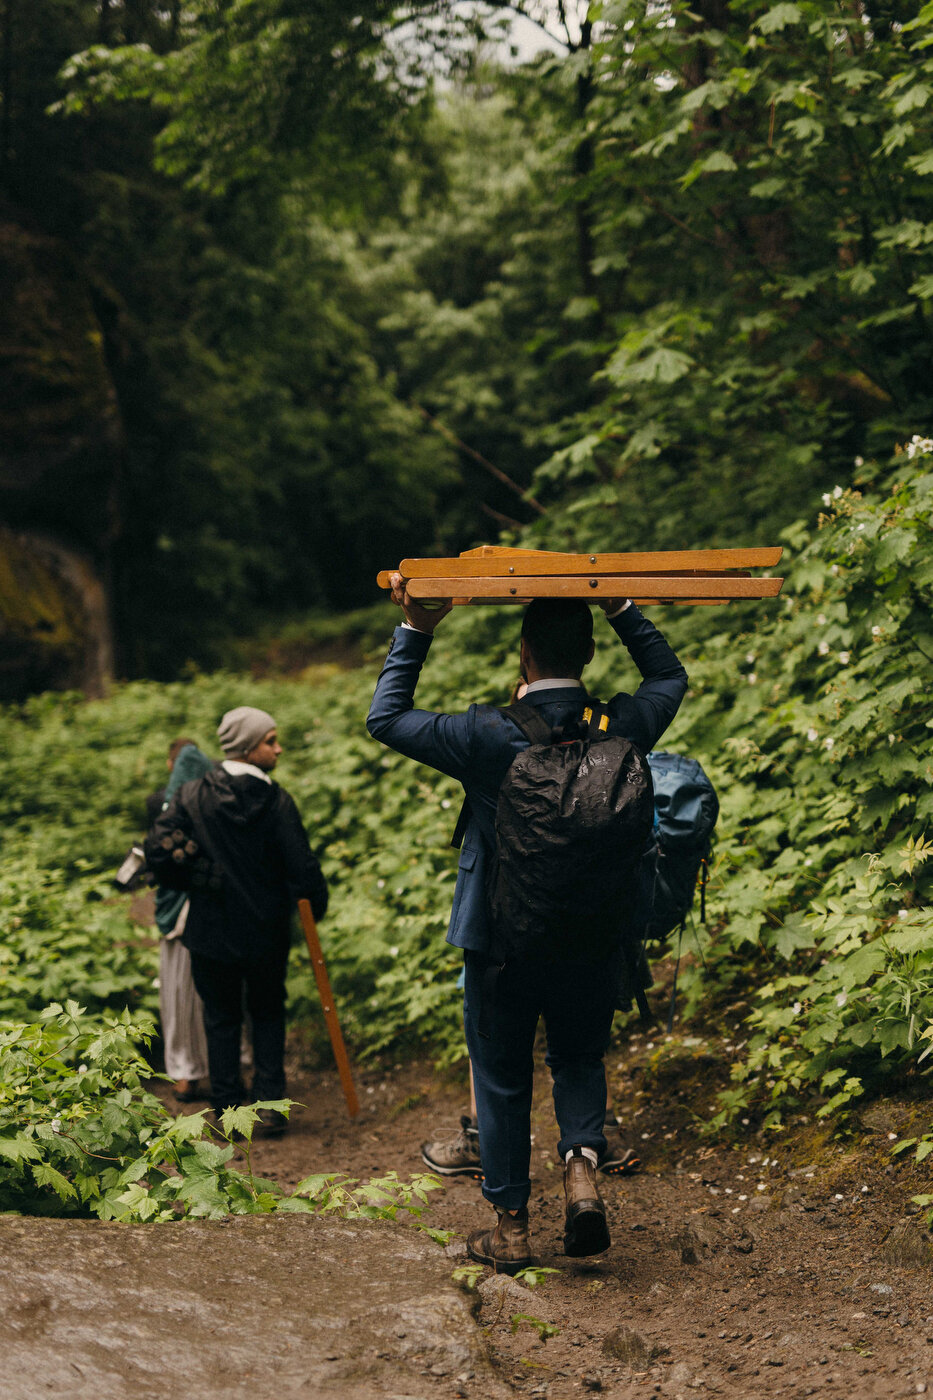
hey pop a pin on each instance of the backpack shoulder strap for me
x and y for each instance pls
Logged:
(530, 721)
(535, 729)
(595, 717)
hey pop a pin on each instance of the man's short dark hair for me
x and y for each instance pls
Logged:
(558, 633)
(176, 746)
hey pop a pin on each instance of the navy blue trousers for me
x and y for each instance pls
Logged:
(577, 1001)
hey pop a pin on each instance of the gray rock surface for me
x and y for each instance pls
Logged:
(267, 1306)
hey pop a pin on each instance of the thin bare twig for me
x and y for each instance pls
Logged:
(478, 457)
(500, 518)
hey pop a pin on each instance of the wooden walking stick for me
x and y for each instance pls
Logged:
(327, 1003)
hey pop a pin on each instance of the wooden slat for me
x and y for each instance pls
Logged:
(548, 563)
(611, 586)
(641, 602)
(382, 578)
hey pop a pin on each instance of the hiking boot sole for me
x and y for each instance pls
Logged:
(475, 1173)
(623, 1165)
(586, 1232)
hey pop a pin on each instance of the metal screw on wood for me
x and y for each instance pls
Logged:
(594, 582)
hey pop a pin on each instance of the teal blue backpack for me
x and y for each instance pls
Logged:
(677, 860)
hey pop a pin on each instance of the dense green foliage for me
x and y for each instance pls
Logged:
(80, 1135)
(349, 313)
(811, 718)
(664, 285)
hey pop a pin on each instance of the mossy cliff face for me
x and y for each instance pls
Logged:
(60, 452)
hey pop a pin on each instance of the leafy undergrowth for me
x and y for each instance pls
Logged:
(810, 714)
(80, 1135)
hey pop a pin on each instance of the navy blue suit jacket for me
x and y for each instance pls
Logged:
(478, 746)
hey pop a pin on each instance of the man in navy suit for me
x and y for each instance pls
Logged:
(576, 999)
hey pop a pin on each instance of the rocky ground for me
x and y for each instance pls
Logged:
(790, 1266)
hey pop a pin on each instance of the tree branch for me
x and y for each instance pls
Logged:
(478, 457)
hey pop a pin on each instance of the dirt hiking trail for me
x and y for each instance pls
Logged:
(736, 1271)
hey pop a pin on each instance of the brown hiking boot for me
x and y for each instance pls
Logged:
(506, 1247)
(455, 1156)
(585, 1228)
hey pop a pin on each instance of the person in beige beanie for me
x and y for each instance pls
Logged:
(237, 841)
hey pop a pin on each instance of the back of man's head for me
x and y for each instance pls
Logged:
(176, 746)
(559, 634)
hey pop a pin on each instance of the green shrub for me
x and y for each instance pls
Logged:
(80, 1135)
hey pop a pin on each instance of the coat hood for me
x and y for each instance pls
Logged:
(240, 799)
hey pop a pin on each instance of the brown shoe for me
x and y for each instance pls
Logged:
(585, 1228)
(457, 1155)
(506, 1247)
(617, 1159)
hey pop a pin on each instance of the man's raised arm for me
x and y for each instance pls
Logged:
(664, 680)
(442, 741)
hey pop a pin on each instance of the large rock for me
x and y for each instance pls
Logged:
(54, 618)
(267, 1306)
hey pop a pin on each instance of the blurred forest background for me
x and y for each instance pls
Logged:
(292, 289)
(295, 288)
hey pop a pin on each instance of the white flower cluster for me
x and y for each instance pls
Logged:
(918, 444)
(836, 493)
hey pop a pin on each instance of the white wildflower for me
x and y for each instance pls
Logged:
(828, 743)
(834, 570)
(380, 884)
(749, 657)
(809, 860)
(796, 1008)
(837, 492)
(812, 735)
(842, 998)
(445, 803)
(844, 658)
(823, 648)
(82, 1069)
(751, 678)
(892, 738)
(876, 631)
(903, 913)
(393, 952)
(56, 1125)
(860, 526)
(157, 982)
(821, 619)
(859, 461)
(892, 1137)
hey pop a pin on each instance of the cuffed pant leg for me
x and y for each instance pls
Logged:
(265, 1002)
(503, 1076)
(219, 985)
(578, 1011)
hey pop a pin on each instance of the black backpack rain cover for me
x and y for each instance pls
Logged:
(572, 821)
